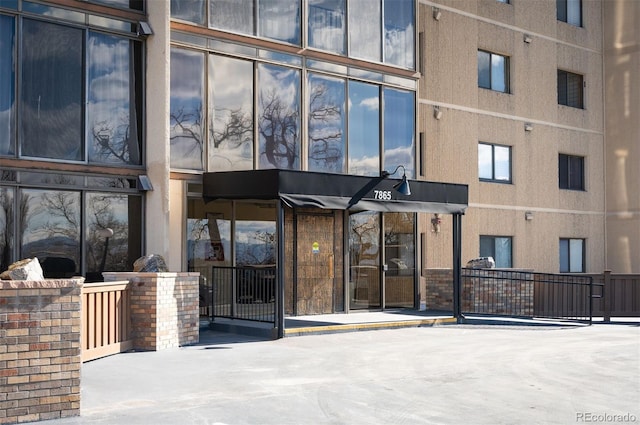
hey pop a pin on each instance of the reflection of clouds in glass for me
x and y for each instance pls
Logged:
(398, 45)
(186, 75)
(6, 130)
(281, 81)
(364, 166)
(327, 25)
(399, 156)
(372, 103)
(280, 20)
(364, 29)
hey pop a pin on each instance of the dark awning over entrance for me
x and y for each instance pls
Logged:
(335, 191)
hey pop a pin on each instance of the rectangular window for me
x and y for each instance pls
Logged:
(279, 20)
(189, 10)
(570, 91)
(231, 15)
(572, 255)
(493, 71)
(7, 86)
(497, 247)
(51, 107)
(185, 115)
(327, 25)
(494, 163)
(569, 11)
(571, 172)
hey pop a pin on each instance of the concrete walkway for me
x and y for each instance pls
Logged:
(453, 374)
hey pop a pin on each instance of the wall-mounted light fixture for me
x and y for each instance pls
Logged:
(145, 183)
(144, 29)
(528, 215)
(437, 113)
(436, 221)
(437, 14)
(527, 38)
(403, 186)
(528, 126)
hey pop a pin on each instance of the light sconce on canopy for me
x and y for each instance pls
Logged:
(403, 186)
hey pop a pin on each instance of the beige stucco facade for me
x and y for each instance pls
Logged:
(471, 114)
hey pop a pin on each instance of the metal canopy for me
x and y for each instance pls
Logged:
(335, 191)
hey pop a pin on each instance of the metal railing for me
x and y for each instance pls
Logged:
(247, 293)
(528, 294)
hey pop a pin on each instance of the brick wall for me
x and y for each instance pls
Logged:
(165, 308)
(439, 289)
(39, 350)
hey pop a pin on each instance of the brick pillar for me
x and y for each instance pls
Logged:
(39, 350)
(165, 308)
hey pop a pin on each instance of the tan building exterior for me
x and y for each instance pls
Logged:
(622, 134)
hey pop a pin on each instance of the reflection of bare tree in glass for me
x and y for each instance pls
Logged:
(237, 128)
(101, 215)
(363, 238)
(6, 242)
(325, 144)
(278, 126)
(260, 251)
(118, 143)
(188, 125)
(63, 205)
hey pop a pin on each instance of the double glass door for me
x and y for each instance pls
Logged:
(381, 260)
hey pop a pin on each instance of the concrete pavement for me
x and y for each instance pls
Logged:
(453, 374)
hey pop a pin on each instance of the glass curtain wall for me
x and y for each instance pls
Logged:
(80, 93)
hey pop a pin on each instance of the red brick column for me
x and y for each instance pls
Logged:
(439, 289)
(165, 308)
(39, 350)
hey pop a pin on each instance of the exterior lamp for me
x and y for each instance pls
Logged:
(403, 186)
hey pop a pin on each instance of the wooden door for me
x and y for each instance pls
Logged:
(315, 263)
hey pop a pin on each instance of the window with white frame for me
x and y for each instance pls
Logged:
(493, 71)
(570, 91)
(497, 247)
(572, 255)
(494, 163)
(570, 11)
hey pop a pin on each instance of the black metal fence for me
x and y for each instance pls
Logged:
(528, 294)
(247, 293)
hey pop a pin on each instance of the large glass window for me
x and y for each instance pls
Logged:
(231, 112)
(112, 129)
(399, 36)
(111, 231)
(51, 229)
(327, 25)
(571, 172)
(7, 90)
(189, 10)
(493, 71)
(187, 100)
(7, 240)
(572, 255)
(130, 4)
(497, 247)
(364, 129)
(232, 15)
(326, 124)
(399, 251)
(51, 91)
(399, 133)
(279, 20)
(365, 32)
(80, 94)
(279, 117)
(494, 162)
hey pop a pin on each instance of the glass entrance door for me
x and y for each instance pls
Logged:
(381, 260)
